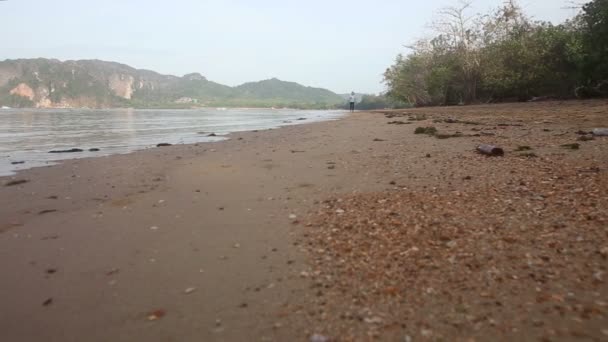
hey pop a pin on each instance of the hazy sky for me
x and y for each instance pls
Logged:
(335, 44)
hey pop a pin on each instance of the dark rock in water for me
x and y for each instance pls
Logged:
(212, 135)
(18, 162)
(73, 150)
(163, 145)
(94, 150)
(301, 119)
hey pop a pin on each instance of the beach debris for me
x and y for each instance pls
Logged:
(156, 315)
(16, 182)
(523, 148)
(47, 302)
(73, 150)
(456, 121)
(163, 145)
(417, 117)
(399, 122)
(189, 290)
(377, 140)
(51, 271)
(236, 245)
(113, 271)
(17, 162)
(600, 132)
(528, 155)
(243, 305)
(586, 138)
(296, 151)
(154, 228)
(47, 211)
(448, 135)
(574, 146)
(94, 150)
(293, 216)
(490, 150)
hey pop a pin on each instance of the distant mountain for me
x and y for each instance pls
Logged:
(48, 83)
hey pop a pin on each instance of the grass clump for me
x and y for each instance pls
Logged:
(426, 130)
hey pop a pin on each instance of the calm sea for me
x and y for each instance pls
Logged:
(28, 135)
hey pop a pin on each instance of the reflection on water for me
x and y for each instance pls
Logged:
(28, 135)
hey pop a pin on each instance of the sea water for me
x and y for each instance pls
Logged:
(28, 135)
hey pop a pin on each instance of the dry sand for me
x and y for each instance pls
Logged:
(256, 238)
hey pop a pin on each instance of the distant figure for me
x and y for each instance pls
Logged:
(353, 99)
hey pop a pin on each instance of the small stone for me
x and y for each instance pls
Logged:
(318, 338)
(189, 290)
(426, 333)
(156, 314)
(373, 320)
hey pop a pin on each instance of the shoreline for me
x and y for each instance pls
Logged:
(229, 241)
(216, 137)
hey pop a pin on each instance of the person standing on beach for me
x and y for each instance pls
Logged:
(353, 98)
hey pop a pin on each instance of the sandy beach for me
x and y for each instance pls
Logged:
(254, 238)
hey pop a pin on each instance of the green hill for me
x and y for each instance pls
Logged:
(47, 83)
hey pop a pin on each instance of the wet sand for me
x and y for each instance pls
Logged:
(208, 241)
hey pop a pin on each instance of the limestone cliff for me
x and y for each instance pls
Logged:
(45, 83)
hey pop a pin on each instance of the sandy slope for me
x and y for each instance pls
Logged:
(132, 233)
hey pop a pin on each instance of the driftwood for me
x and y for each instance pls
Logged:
(490, 150)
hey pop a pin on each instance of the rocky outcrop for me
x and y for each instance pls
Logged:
(23, 90)
(122, 85)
